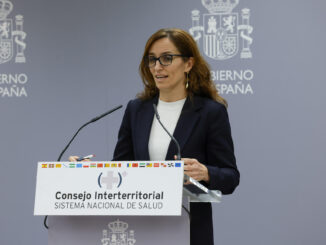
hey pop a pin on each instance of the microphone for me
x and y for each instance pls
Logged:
(91, 121)
(178, 146)
(196, 187)
(64, 150)
(106, 113)
(171, 136)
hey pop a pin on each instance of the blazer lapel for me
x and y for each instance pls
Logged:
(186, 123)
(144, 120)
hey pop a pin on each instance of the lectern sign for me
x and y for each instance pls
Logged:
(109, 188)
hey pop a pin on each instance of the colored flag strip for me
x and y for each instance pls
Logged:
(113, 165)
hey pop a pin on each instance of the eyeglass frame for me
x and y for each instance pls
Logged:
(146, 59)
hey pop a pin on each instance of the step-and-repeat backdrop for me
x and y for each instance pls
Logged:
(65, 62)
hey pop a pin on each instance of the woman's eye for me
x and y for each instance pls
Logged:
(166, 58)
(151, 59)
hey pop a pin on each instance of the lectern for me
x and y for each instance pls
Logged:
(117, 203)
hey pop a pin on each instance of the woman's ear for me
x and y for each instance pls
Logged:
(189, 64)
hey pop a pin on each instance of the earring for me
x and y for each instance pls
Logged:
(187, 81)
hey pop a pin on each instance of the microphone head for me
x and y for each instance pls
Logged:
(105, 114)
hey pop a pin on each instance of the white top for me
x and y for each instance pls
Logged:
(159, 140)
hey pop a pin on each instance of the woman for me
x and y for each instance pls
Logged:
(178, 80)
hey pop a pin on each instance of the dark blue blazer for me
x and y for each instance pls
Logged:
(203, 132)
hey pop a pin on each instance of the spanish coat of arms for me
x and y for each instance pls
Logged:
(221, 29)
(11, 39)
(118, 234)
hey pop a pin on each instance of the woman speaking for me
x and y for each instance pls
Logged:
(177, 79)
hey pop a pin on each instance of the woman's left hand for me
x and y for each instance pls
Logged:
(195, 169)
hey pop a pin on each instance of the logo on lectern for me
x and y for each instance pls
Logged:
(111, 179)
(118, 234)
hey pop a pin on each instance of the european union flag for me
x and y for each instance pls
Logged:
(177, 164)
(79, 165)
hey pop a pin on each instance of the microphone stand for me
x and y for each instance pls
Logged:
(67, 146)
(178, 147)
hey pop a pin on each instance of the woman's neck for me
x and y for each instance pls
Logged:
(172, 96)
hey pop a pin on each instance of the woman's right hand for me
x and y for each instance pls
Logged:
(73, 158)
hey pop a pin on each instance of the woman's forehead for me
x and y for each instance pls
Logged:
(162, 46)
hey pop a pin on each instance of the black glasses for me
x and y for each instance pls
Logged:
(164, 60)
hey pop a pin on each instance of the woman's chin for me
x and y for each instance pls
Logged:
(161, 86)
